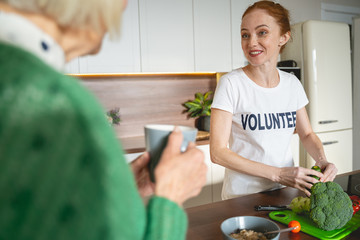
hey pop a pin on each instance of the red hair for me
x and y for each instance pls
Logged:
(277, 11)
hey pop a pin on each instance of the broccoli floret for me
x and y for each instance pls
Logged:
(300, 205)
(318, 216)
(329, 207)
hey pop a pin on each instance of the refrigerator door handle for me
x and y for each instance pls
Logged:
(330, 142)
(328, 121)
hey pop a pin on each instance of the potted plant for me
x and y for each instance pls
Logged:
(200, 108)
(113, 116)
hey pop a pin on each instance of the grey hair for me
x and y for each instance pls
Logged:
(94, 14)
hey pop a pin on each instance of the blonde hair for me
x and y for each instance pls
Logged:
(93, 14)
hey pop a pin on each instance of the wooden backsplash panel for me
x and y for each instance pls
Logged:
(148, 98)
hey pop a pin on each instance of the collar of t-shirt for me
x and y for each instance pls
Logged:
(20, 32)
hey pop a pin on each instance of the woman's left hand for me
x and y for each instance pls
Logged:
(298, 177)
(142, 175)
(329, 171)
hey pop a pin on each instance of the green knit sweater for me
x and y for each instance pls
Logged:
(62, 171)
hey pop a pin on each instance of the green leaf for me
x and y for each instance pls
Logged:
(195, 114)
(193, 105)
(208, 102)
(207, 94)
(206, 112)
(199, 96)
(193, 109)
(197, 101)
(207, 108)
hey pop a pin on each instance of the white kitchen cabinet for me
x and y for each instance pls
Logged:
(217, 174)
(212, 36)
(205, 195)
(72, 66)
(129, 157)
(166, 39)
(338, 150)
(238, 7)
(121, 54)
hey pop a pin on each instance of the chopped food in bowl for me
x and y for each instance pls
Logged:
(252, 226)
(247, 235)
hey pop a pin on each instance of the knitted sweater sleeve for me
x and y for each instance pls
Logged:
(166, 220)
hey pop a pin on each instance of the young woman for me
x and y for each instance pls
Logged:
(62, 172)
(256, 110)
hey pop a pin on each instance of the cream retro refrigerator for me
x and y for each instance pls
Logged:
(322, 51)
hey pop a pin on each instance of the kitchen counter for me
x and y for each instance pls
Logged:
(205, 220)
(137, 144)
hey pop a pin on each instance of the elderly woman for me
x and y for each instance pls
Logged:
(62, 171)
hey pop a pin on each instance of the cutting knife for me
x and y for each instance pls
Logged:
(271, 207)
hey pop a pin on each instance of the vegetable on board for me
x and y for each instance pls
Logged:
(329, 206)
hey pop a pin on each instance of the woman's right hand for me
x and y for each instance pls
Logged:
(298, 177)
(180, 176)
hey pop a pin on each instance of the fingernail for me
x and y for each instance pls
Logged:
(176, 129)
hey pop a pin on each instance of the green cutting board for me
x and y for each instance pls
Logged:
(307, 226)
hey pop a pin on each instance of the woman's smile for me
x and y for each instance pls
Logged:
(255, 53)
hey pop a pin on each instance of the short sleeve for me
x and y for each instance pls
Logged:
(302, 98)
(223, 97)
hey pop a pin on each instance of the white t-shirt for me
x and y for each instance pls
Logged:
(263, 123)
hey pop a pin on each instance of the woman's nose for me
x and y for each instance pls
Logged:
(253, 41)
